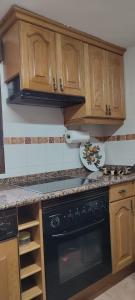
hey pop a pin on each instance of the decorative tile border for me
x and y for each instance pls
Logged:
(34, 140)
(61, 139)
(116, 138)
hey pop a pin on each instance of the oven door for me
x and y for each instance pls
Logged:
(76, 259)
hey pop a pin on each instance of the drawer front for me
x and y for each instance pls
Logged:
(121, 191)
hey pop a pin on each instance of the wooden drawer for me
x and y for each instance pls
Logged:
(121, 191)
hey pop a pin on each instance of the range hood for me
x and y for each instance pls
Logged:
(36, 98)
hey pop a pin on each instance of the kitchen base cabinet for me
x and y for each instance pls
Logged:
(32, 274)
(9, 271)
(121, 224)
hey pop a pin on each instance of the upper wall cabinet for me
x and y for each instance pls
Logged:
(97, 81)
(104, 89)
(115, 85)
(38, 60)
(105, 83)
(70, 59)
(49, 62)
(50, 57)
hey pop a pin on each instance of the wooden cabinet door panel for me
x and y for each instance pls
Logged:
(121, 221)
(97, 81)
(70, 65)
(9, 271)
(4, 287)
(115, 85)
(38, 58)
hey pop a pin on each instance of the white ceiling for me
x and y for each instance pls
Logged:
(111, 20)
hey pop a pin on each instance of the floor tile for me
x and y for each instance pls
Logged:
(124, 290)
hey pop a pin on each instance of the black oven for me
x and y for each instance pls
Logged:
(76, 242)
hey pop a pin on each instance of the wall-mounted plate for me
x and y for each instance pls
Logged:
(92, 155)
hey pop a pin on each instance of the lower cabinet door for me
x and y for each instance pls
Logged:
(9, 271)
(121, 225)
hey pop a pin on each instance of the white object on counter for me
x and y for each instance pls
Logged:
(74, 136)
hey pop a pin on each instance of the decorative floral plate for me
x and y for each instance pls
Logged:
(92, 155)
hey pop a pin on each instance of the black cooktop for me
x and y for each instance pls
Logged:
(58, 184)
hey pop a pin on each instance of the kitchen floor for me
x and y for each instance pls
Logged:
(124, 290)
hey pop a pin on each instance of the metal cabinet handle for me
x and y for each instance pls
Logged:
(122, 191)
(55, 87)
(109, 112)
(61, 85)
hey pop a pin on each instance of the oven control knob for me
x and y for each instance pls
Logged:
(55, 221)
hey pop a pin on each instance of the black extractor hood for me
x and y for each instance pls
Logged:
(36, 98)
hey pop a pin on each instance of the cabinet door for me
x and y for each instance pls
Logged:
(70, 65)
(97, 81)
(9, 271)
(121, 223)
(115, 85)
(38, 63)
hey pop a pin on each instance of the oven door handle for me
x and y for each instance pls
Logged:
(77, 230)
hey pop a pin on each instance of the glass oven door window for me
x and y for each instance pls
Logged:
(80, 254)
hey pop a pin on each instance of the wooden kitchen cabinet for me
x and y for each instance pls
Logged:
(97, 82)
(38, 59)
(104, 88)
(9, 271)
(49, 62)
(51, 57)
(121, 226)
(115, 81)
(70, 65)
(105, 83)
(121, 191)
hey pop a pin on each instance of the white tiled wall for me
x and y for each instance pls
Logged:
(36, 121)
(123, 152)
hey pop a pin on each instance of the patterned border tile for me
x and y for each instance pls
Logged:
(116, 138)
(61, 139)
(34, 140)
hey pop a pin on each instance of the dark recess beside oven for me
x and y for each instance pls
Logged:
(77, 242)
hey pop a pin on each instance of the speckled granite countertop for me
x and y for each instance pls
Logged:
(14, 196)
